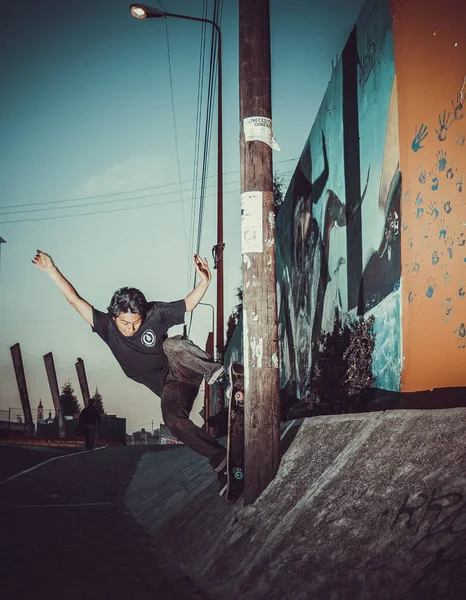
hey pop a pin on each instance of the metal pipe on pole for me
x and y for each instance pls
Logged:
(208, 391)
(260, 322)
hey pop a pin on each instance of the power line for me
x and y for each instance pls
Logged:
(111, 194)
(44, 321)
(176, 134)
(214, 49)
(112, 210)
(197, 135)
(114, 200)
(206, 147)
(100, 212)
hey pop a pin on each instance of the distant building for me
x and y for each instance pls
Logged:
(166, 436)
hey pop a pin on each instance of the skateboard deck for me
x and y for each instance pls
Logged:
(235, 443)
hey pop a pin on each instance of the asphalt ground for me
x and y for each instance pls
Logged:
(14, 459)
(66, 532)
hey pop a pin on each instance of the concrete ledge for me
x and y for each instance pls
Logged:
(363, 506)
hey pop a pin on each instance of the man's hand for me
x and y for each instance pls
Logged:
(44, 262)
(202, 268)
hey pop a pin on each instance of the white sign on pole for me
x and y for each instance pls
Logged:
(259, 129)
(251, 222)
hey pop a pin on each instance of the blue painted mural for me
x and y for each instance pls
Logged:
(338, 230)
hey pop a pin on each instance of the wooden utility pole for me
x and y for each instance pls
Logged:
(82, 378)
(22, 387)
(54, 391)
(261, 362)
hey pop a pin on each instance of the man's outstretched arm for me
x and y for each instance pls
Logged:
(194, 297)
(45, 263)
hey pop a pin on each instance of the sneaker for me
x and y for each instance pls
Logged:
(216, 375)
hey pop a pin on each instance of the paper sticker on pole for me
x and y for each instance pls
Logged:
(259, 129)
(251, 222)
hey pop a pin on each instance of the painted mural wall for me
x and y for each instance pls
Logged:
(338, 231)
(430, 53)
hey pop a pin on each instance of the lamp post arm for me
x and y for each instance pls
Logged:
(213, 23)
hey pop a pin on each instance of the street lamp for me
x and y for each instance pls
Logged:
(142, 11)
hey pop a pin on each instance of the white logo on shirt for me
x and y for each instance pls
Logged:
(148, 338)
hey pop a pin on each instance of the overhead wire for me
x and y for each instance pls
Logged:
(113, 194)
(176, 135)
(207, 135)
(200, 90)
(111, 210)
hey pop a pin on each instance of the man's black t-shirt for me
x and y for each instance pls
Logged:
(141, 355)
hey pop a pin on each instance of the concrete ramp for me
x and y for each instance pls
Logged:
(369, 506)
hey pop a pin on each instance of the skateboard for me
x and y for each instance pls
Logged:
(235, 443)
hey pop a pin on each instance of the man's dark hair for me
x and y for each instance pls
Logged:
(128, 299)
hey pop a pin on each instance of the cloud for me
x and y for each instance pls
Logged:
(148, 170)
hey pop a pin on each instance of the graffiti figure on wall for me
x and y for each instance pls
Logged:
(308, 274)
(315, 221)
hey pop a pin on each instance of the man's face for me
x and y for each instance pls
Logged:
(128, 323)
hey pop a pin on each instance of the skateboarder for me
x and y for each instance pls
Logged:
(89, 418)
(172, 367)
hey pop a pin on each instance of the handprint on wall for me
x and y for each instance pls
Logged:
(451, 172)
(431, 285)
(416, 266)
(458, 107)
(433, 174)
(441, 160)
(444, 123)
(411, 296)
(419, 136)
(434, 213)
(419, 208)
(461, 333)
(443, 229)
(448, 306)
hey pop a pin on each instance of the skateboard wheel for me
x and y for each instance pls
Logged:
(239, 397)
(238, 474)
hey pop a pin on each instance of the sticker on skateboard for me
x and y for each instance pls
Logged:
(235, 444)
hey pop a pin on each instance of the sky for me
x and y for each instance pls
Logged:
(97, 134)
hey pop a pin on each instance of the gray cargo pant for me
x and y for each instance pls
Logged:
(187, 366)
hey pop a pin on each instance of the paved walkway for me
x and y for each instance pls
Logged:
(66, 533)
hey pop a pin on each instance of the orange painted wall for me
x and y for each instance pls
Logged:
(431, 71)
